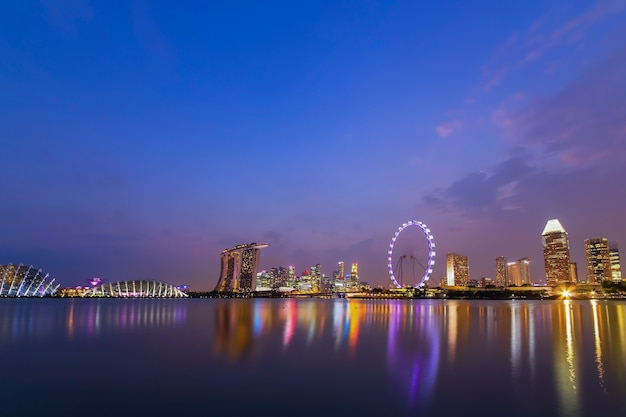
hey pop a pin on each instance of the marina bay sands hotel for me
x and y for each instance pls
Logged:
(239, 268)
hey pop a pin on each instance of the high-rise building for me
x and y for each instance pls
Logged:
(239, 268)
(264, 280)
(524, 265)
(616, 269)
(354, 271)
(514, 274)
(342, 269)
(556, 253)
(501, 272)
(316, 277)
(598, 260)
(291, 276)
(457, 269)
(353, 282)
(573, 272)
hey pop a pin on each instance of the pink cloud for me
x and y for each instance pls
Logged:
(445, 129)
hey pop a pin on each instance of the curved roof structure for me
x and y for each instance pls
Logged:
(24, 281)
(137, 288)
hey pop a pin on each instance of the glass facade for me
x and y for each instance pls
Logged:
(25, 281)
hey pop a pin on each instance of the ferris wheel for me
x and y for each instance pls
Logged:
(416, 258)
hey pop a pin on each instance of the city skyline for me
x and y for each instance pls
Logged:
(145, 150)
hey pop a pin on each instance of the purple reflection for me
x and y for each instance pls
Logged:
(413, 349)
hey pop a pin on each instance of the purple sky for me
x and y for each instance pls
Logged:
(139, 139)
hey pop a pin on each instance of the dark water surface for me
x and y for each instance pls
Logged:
(312, 357)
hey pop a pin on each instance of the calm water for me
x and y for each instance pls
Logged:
(312, 357)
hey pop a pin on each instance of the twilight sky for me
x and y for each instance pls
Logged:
(140, 138)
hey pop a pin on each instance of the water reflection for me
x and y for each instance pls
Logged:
(422, 336)
(33, 319)
(597, 343)
(565, 356)
(413, 349)
(537, 357)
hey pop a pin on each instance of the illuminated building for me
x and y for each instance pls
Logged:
(556, 253)
(138, 288)
(519, 272)
(310, 280)
(316, 277)
(616, 269)
(573, 271)
(342, 270)
(525, 270)
(515, 274)
(291, 277)
(263, 281)
(77, 291)
(24, 281)
(598, 260)
(354, 272)
(239, 268)
(501, 272)
(95, 281)
(353, 282)
(337, 282)
(457, 269)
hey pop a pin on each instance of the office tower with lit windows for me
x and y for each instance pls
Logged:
(514, 274)
(501, 272)
(342, 269)
(556, 253)
(316, 277)
(239, 268)
(524, 265)
(353, 282)
(616, 269)
(598, 260)
(457, 269)
(291, 276)
(573, 272)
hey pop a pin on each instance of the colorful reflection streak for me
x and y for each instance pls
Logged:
(430, 342)
(413, 348)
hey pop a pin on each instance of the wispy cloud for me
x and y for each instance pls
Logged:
(520, 50)
(582, 123)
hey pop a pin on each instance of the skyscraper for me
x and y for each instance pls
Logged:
(616, 269)
(573, 272)
(514, 274)
(457, 269)
(354, 271)
(501, 272)
(239, 268)
(556, 253)
(354, 277)
(524, 266)
(598, 260)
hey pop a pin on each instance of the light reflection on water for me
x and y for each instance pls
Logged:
(564, 358)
